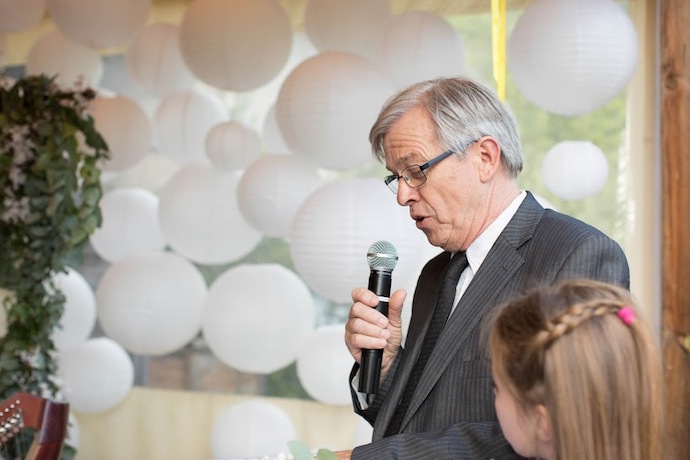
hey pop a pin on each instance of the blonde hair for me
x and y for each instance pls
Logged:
(600, 378)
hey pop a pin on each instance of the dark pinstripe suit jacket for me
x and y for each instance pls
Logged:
(452, 414)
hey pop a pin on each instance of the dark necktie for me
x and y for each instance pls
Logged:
(444, 304)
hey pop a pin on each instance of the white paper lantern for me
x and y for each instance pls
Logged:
(126, 129)
(334, 228)
(79, 314)
(570, 57)
(251, 429)
(151, 303)
(235, 46)
(356, 26)
(18, 15)
(201, 219)
(183, 120)
(150, 173)
(55, 54)
(419, 45)
(97, 375)
(154, 61)
(273, 188)
(273, 141)
(232, 145)
(130, 224)
(327, 105)
(265, 305)
(324, 364)
(574, 170)
(100, 23)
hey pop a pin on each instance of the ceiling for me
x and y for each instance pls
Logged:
(14, 47)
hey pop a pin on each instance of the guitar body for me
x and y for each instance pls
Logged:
(48, 418)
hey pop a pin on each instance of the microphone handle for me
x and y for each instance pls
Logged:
(370, 366)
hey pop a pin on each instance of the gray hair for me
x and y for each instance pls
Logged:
(463, 112)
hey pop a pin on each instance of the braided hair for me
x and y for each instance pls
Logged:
(596, 371)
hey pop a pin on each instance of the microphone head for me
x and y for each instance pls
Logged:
(382, 256)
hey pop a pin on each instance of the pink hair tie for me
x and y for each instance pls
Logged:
(627, 315)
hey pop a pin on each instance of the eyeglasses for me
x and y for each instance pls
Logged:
(414, 174)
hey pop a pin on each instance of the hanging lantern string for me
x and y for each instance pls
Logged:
(498, 35)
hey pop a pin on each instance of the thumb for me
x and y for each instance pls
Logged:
(395, 306)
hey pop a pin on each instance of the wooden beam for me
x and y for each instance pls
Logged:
(675, 171)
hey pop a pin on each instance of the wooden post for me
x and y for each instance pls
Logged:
(675, 170)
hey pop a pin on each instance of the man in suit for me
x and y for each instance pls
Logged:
(467, 202)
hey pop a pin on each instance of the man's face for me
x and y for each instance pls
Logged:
(447, 206)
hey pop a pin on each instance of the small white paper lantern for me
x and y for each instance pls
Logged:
(18, 15)
(126, 129)
(252, 428)
(356, 26)
(97, 375)
(273, 188)
(183, 120)
(130, 224)
(151, 303)
(100, 23)
(574, 170)
(154, 61)
(324, 364)
(265, 305)
(419, 45)
(334, 228)
(150, 173)
(232, 145)
(79, 314)
(327, 105)
(235, 46)
(570, 57)
(201, 219)
(56, 54)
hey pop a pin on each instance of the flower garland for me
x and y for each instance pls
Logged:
(50, 191)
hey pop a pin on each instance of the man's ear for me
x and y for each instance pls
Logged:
(490, 157)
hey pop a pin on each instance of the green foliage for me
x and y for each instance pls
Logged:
(300, 451)
(50, 191)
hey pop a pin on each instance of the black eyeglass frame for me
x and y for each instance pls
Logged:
(393, 180)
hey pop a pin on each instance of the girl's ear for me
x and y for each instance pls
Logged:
(544, 425)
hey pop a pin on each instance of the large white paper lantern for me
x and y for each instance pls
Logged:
(419, 45)
(574, 170)
(56, 54)
(79, 315)
(150, 173)
(273, 188)
(201, 219)
(100, 23)
(183, 120)
(18, 15)
(235, 46)
(130, 224)
(154, 61)
(257, 317)
(97, 375)
(126, 129)
(232, 145)
(324, 364)
(356, 26)
(570, 57)
(253, 428)
(151, 303)
(327, 105)
(334, 228)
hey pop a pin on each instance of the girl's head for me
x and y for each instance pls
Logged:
(577, 374)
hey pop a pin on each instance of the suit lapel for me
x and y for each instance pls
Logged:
(500, 265)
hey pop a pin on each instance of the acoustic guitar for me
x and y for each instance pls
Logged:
(47, 420)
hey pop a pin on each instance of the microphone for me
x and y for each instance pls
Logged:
(382, 258)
